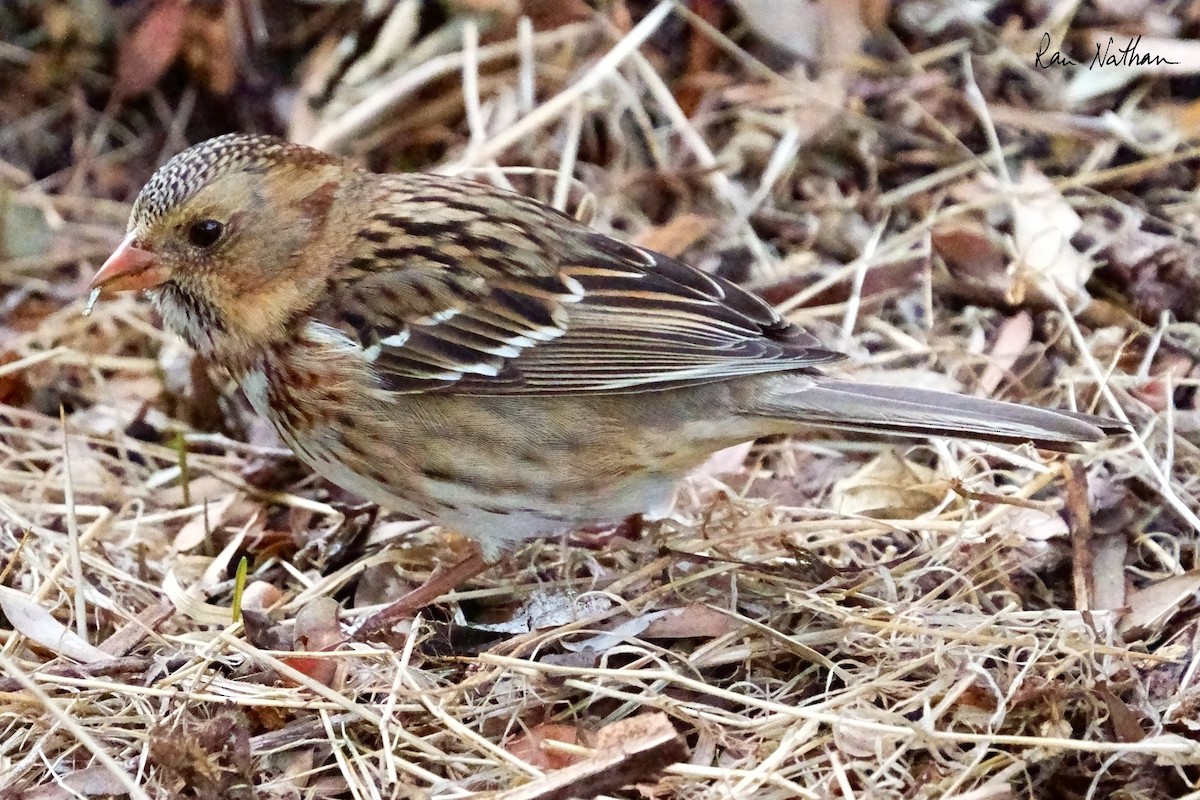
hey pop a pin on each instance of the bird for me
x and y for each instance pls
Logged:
(473, 357)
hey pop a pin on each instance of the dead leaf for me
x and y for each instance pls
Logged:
(318, 631)
(1127, 723)
(197, 530)
(695, 620)
(29, 618)
(634, 750)
(602, 642)
(674, 238)
(295, 767)
(208, 51)
(702, 54)
(889, 487)
(974, 255)
(94, 781)
(1012, 338)
(530, 746)
(200, 490)
(794, 25)
(144, 56)
(689, 621)
(858, 741)
(1036, 525)
(1159, 391)
(1152, 605)
(14, 390)
(1043, 224)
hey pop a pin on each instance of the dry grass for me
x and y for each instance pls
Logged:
(819, 618)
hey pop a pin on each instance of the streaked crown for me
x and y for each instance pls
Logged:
(189, 171)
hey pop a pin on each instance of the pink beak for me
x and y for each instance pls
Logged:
(129, 269)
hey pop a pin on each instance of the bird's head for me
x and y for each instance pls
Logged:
(227, 237)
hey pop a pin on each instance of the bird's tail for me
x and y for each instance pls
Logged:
(904, 411)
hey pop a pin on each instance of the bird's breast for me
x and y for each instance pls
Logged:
(497, 469)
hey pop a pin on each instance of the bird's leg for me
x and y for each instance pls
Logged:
(598, 537)
(438, 584)
(341, 545)
(352, 510)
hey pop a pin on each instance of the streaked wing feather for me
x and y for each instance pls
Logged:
(560, 309)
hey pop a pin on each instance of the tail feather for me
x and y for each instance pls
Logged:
(906, 411)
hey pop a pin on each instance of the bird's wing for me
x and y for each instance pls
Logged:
(459, 288)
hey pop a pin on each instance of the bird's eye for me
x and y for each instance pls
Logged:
(205, 232)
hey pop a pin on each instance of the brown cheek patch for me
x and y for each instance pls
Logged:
(235, 221)
(316, 204)
(241, 278)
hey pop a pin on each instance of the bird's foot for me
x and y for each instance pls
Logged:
(342, 543)
(440, 582)
(597, 537)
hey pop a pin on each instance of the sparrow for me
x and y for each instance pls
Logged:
(478, 359)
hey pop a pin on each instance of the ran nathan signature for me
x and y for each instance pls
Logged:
(1107, 55)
